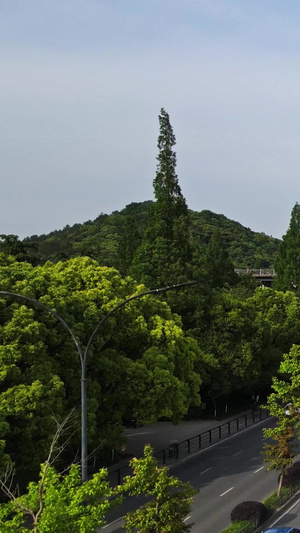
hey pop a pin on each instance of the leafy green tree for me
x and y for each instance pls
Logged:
(287, 264)
(281, 453)
(130, 240)
(281, 311)
(141, 362)
(31, 390)
(244, 338)
(287, 386)
(165, 253)
(237, 344)
(58, 503)
(229, 337)
(170, 498)
(219, 267)
(21, 251)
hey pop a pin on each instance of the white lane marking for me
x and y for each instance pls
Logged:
(203, 471)
(226, 491)
(237, 453)
(286, 512)
(259, 469)
(187, 518)
(111, 523)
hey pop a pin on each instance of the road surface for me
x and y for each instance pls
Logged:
(226, 474)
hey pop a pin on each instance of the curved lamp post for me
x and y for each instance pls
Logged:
(84, 352)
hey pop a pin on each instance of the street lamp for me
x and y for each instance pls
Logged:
(83, 353)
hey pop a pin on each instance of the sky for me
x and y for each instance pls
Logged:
(83, 82)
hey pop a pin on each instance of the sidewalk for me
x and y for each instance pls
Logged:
(161, 435)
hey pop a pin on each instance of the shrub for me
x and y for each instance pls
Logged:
(249, 511)
(291, 475)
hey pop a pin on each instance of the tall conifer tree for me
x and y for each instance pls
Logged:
(166, 252)
(287, 264)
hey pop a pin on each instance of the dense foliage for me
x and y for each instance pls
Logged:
(288, 259)
(141, 364)
(169, 499)
(282, 450)
(243, 337)
(219, 267)
(59, 503)
(100, 238)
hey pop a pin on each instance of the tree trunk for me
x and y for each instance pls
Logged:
(279, 483)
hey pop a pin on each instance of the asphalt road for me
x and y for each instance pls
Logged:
(226, 474)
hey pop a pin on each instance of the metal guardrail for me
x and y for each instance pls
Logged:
(252, 526)
(179, 450)
(291, 490)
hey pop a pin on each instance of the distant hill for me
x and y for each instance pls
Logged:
(100, 238)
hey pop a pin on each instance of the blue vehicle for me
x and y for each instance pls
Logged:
(282, 530)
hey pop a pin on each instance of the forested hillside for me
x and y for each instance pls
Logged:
(100, 238)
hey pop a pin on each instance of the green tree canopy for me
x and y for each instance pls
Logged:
(141, 363)
(59, 503)
(130, 240)
(281, 311)
(237, 341)
(21, 251)
(218, 265)
(169, 498)
(287, 264)
(281, 452)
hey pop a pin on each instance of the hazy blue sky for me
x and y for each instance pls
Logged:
(83, 82)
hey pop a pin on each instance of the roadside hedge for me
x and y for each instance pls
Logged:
(249, 510)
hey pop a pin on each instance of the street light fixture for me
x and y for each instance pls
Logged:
(84, 352)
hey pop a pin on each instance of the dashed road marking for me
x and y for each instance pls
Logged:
(136, 434)
(111, 523)
(226, 491)
(203, 471)
(259, 469)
